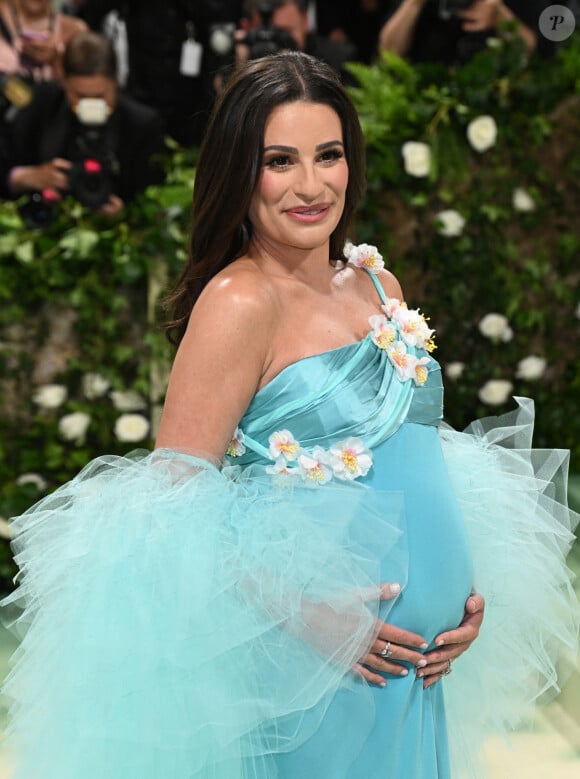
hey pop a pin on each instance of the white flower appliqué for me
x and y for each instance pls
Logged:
(350, 459)
(398, 330)
(283, 444)
(364, 256)
(236, 447)
(346, 460)
(315, 467)
(383, 333)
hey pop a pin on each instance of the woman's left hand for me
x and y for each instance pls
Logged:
(453, 643)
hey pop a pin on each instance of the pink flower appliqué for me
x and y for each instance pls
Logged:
(350, 459)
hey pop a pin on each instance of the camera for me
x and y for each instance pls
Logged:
(450, 8)
(94, 164)
(267, 39)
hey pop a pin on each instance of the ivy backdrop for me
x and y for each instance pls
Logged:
(473, 196)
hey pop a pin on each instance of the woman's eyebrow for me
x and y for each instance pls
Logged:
(294, 150)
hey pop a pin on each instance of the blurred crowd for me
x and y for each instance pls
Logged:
(90, 89)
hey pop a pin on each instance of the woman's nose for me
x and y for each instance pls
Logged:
(309, 184)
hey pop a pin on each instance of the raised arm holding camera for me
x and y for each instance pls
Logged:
(85, 139)
(451, 31)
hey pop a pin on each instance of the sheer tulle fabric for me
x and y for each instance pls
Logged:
(513, 499)
(180, 621)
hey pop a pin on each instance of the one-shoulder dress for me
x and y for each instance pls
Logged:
(181, 620)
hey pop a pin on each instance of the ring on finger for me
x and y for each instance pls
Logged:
(386, 650)
(447, 670)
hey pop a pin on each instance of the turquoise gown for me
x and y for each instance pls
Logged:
(184, 620)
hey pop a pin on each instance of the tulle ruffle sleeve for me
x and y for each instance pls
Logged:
(182, 621)
(520, 529)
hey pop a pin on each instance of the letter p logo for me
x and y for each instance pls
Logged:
(556, 23)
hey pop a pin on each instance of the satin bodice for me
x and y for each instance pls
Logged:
(352, 390)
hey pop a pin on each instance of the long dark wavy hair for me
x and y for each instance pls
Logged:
(230, 161)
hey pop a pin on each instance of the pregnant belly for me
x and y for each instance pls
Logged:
(439, 576)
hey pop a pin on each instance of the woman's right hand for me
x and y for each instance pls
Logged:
(390, 647)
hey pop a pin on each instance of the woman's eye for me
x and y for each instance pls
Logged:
(281, 161)
(331, 155)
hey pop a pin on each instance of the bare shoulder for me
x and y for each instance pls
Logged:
(239, 303)
(390, 284)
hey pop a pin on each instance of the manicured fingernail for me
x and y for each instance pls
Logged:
(421, 664)
(394, 588)
(424, 645)
(404, 672)
(439, 642)
(420, 674)
(382, 684)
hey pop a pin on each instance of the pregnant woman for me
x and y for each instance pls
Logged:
(280, 588)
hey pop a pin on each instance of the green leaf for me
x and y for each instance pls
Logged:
(79, 243)
(25, 252)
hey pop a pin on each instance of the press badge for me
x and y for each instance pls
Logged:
(191, 52)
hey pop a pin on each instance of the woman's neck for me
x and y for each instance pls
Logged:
(309, 266)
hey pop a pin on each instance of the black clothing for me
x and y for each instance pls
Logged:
(442, 40)
(334, 53)
(361, 25)
(133, 136)
(156, 31)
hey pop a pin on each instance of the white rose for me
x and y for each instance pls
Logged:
(495, 392)
(416, 158)
(5, 529)
(128, 401)
(32, 478)
(522, 200)
(94, 385)
(50, 395)
(531, 368)
(482, 133)
(131, 427)
(494, 326)
(453, 370)
(507, 334)
(73, 427)
(451, 223)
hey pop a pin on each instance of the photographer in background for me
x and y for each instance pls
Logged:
(452, 31)
(169, 58)
(85, 139)
(291, 17)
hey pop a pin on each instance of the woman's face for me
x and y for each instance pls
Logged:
(300, 194)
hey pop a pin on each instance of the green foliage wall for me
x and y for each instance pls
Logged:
(80, 295)
(474, 189)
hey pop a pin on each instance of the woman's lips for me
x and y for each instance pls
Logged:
(308, 214)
